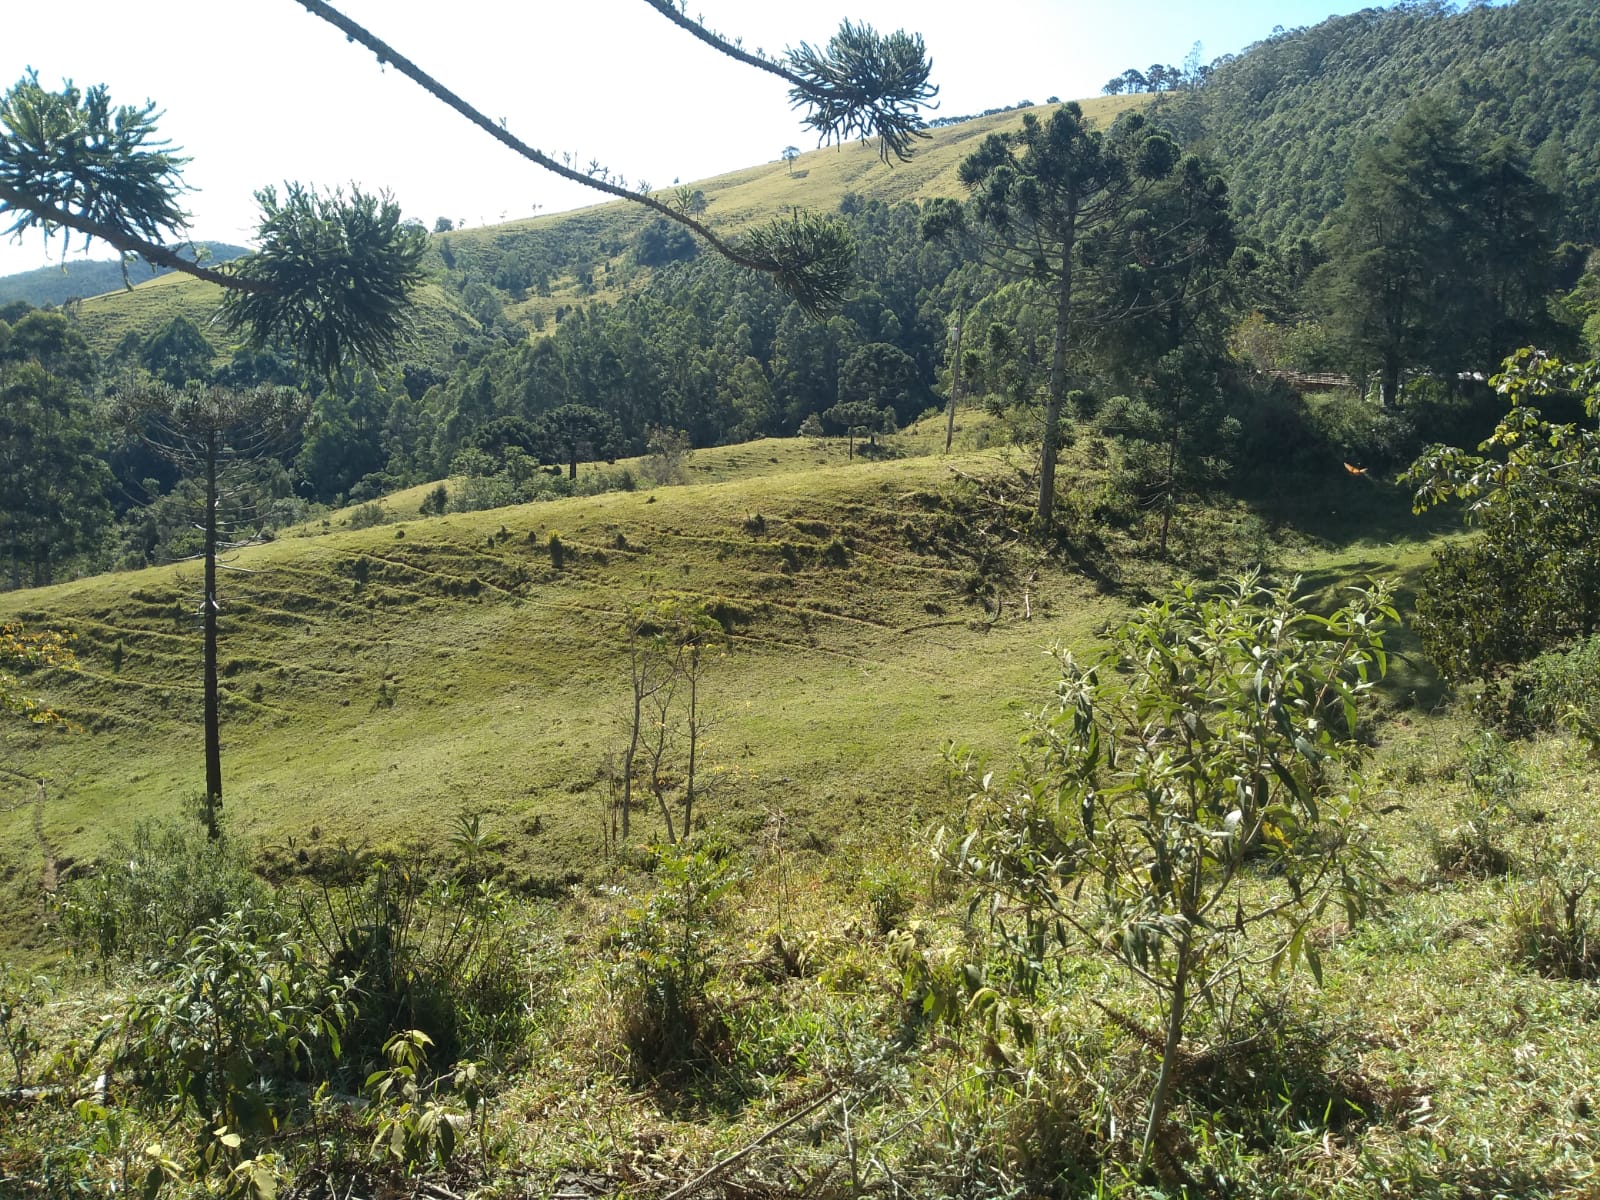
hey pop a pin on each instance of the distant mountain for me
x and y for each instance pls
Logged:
(80, 278)
(1287, 117)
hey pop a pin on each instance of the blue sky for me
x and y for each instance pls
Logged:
(264, 92)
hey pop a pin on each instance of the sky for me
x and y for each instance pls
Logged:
(257, 92)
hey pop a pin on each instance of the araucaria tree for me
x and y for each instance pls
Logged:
(1191, 803)
(332, 280)
(205, 431)
(1038, 199)
(333, 275)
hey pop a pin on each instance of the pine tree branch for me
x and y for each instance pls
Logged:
(152, 253)
(716, 41)
(387, 55)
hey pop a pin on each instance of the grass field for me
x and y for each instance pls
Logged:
(381, 681)
(378, 681)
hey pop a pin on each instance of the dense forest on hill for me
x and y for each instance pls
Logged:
(1289, 115)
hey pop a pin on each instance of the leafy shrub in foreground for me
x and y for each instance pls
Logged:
(668, 961)
(1214, 743)
(428, 952)
(243, 1015)
(152, 889)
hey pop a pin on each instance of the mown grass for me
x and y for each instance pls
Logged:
(377, 681)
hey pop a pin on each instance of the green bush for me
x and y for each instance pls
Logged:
(888, 891)
(1476, 845)
(365, 516)
(1216, 735)
(435, 502)
(668, 960)
(1360, 432)
(224, 1035)
(429, 952)
(1559, 687)
(150, 890)
(1554, 923)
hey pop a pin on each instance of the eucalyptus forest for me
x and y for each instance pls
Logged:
(1052, 652)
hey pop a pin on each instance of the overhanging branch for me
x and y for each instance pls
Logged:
(387, 55)
(152, 253)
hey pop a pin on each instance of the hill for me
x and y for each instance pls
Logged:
(378, 680)
(76, 278)
(535, 270)
(1287, 116)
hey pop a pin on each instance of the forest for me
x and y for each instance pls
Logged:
(565, 714)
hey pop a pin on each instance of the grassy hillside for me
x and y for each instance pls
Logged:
(378, 681)
(76, 278)
(595, 241)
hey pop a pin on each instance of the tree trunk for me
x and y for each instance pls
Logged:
(572, 464)
(1389, 381)
(208, 618)
(1169, 1051)
(1172, 470)
(1058, 385)
(694, 739)
(633, 748)
(955, 385)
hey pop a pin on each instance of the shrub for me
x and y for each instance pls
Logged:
(241, 1016)
(1555, 927)
(21, 997)
(419, 1120)
(888, 891)
(1218, 730)
(435, 502)
(1361, 432)
(1475, 846)
(427, 953)
(1559, 687)
(152, 889)
(668, 961)
(365, 516)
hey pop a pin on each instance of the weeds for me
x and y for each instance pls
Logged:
(1495, 780)
(151, 890)
(668, 960)
(1554, 924)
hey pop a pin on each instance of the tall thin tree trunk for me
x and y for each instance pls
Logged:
(955, 384)
(1169, 1050)
(1389, 381)
(694, 738)
(208, 618)
(1172, 470)
(1058, 388)
(633, 737)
